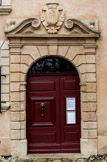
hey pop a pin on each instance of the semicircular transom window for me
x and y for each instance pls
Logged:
(52, 64)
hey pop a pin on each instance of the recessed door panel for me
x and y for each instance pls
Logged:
(38, 85)
(53, 113)
(70, 136)
(42, 111)
(43, 137)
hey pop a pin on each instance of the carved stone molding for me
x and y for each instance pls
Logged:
(49, 23)
(52, 17)
(78, 27)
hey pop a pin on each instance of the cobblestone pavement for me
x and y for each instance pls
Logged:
(39, 160)
(42, 160)
(16, 159)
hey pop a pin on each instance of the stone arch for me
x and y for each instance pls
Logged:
(83, 58)
(74, 54)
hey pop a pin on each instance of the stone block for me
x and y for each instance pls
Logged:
(89, 116)
(89, 134)
(15, 125)
(15, 96)
(19, 148)
(89, 125)
(89, 147)
(73, 51)
(15, 50)
(15, 116)
(91, 68)
(15, 59)
(83, 96)
(26, 59)
(15, 106)
(90, 59)
(23, 125)
(23, 96)
(88, 106)
(5, 44)
(83, 88)
(14, 87)
(32, 50)
(91, 96)
(43, 50)
(22, 116)
(52, 50)
(23, 106)
(15, 68)
(5, 80)
(57, 160)
(24, 68)
(5, 89)
(23, 135)
(5, 97)
(4, 53)
(91, 77)
(79, 59)
(90, 50)
(14, 77)
(83, 78)
(62, 50)
(5, 61)
(22, 87)
(91, 87)
(15, 134)
(82, 68)
(23, 77)
(5, 70)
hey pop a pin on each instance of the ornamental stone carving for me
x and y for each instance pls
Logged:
(52, 17)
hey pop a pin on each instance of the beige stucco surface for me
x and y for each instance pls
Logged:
(84, 9)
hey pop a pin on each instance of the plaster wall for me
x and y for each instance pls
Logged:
(84, 9)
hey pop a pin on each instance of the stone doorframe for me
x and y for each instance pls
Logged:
(26, 48)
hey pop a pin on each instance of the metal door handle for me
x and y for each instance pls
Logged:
(42, 106)
(42, 115)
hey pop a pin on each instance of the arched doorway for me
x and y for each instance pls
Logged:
(53, 107)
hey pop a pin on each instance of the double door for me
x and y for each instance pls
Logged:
(53, 114)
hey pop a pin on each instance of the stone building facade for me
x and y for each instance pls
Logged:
(75, 31)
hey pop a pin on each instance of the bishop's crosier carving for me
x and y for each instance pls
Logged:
(52, 17)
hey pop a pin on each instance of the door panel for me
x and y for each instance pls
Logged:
(43, 122)
(70, 132)
(40, 85)
(42, 117)
(52, 125)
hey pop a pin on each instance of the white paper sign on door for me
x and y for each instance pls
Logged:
(70, 103)
(71, 118)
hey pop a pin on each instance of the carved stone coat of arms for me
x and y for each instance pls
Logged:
(52, 17)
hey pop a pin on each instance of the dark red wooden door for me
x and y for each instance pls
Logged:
(53, 114)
